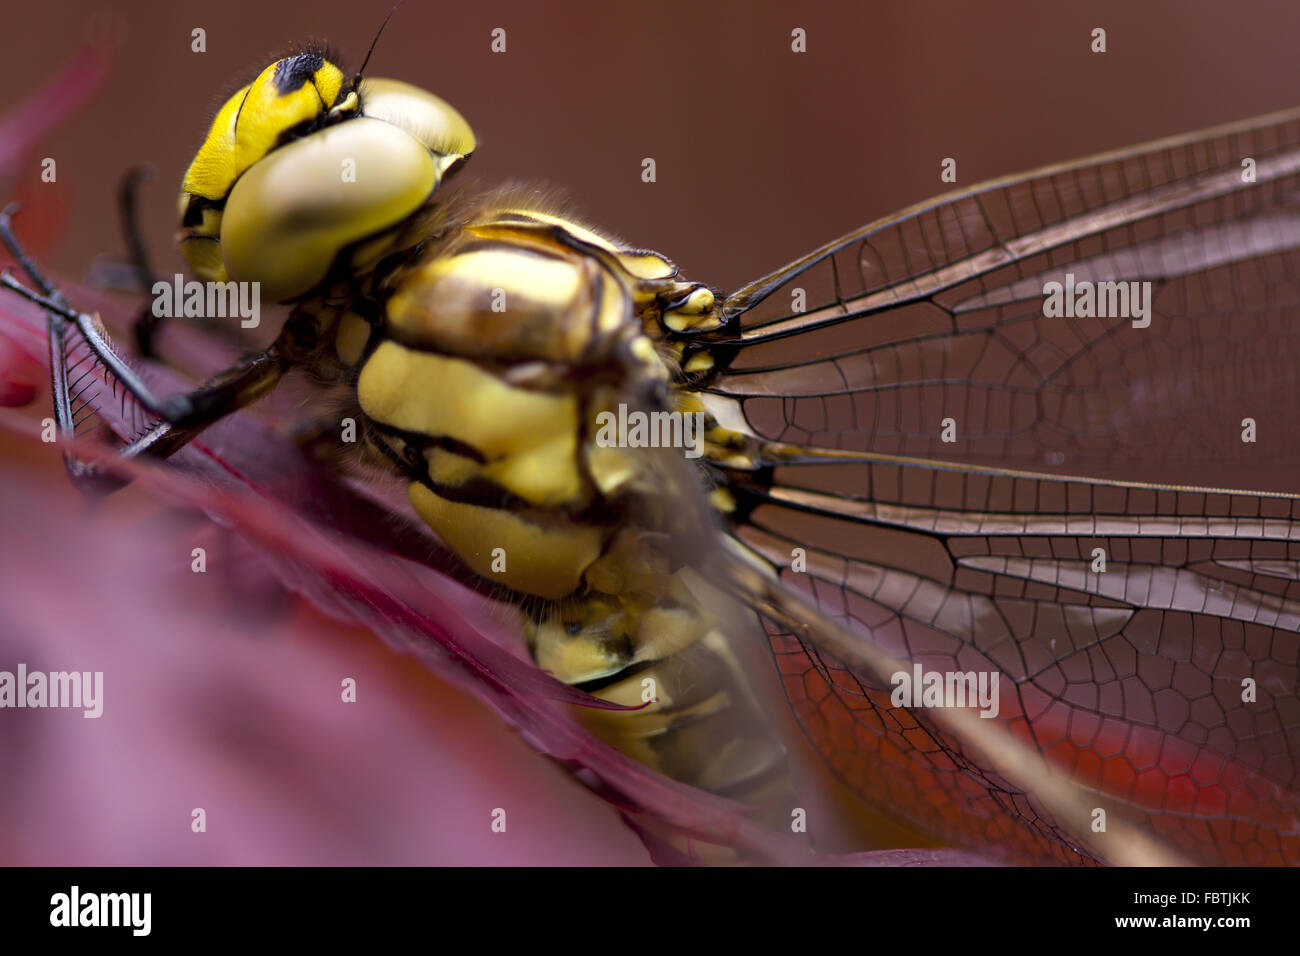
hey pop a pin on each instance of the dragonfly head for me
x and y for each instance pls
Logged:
(304, 162)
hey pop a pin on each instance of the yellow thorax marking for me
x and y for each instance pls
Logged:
(528, 439)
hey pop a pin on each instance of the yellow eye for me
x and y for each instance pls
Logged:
(259, 205)
(430, 119)
(290, 215)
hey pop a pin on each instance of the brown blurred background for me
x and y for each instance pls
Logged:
(762, 154)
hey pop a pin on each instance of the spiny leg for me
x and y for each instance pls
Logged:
(236, 387)
(82, 475)
(182, 417)
(177, 409)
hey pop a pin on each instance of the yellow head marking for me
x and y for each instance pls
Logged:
(296, 170)
(289, 92)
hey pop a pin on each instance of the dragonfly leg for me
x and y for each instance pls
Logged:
(187, 409)
(181, 417)
(83, 475)
(145, 326)
(236, 387)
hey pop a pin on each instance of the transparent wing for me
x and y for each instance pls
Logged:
(949, 298)
(1165, 685)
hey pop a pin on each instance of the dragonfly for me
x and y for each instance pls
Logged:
(916, 463)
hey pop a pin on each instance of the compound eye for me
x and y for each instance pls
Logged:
(430, 119)
(291, 214)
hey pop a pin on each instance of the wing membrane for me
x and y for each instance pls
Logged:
(938, 313)
(1166, 686)
(1131, 679)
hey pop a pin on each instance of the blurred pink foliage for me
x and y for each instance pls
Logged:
(230, 701)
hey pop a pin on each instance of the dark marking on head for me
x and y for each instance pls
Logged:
(240, 112)
(292, 72)
(195, 206)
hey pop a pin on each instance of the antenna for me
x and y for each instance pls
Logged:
(356, 80)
